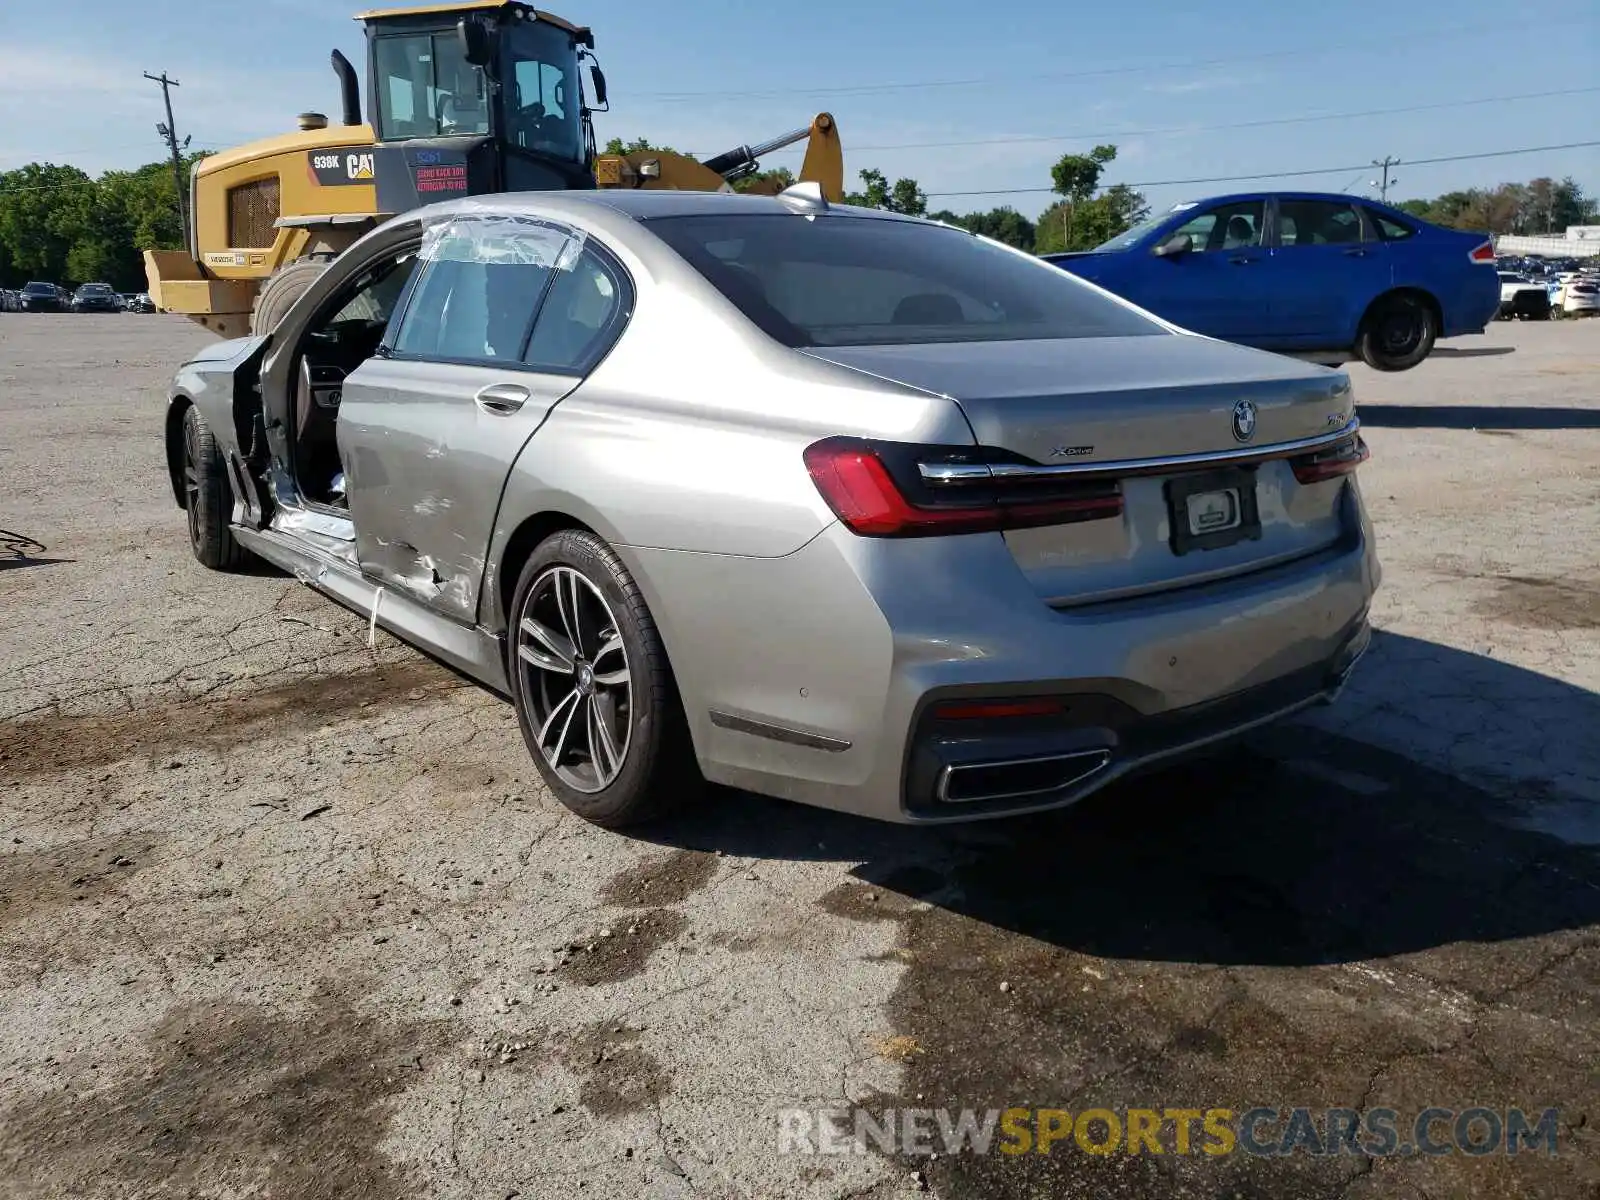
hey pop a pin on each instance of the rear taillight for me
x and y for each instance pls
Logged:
(1338, 460)
(1483, 253)
(858, 483)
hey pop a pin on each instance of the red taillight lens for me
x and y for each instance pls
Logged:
(858, 486)
(1483, 253)
(981, 710)
(1342, 459)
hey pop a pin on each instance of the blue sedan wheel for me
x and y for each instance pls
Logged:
(1398, 333)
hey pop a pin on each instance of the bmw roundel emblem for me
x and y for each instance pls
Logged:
(1244, 421)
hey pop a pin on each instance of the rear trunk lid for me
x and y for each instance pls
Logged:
(1116, 404)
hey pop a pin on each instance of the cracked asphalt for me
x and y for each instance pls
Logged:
(285, 915)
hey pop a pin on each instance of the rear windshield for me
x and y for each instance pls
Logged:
(862, 281)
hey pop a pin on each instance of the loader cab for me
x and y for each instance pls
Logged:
(474, 98)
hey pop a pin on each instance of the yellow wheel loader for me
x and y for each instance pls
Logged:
(468, 98)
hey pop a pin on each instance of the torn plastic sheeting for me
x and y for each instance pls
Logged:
(372, 621)
(500, 238)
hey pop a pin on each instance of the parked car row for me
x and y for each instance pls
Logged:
(91, 297)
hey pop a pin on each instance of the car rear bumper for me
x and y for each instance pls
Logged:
(816, 676)
(1526, 303)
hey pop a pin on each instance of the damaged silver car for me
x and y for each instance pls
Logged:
(825, 503)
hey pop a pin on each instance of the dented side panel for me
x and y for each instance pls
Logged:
(425, 465)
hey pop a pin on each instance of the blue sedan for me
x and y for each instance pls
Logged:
(1305, 273)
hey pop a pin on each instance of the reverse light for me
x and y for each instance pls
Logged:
(1483, 253)
(861, 489)
(1338, 460)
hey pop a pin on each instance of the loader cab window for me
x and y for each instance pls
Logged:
(541, 93)
(427, 88)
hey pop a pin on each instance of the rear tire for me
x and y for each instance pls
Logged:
(603, 723)
(208, 497)
(1398, 333)
(281, 290)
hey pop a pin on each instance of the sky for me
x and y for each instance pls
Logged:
(963, 98)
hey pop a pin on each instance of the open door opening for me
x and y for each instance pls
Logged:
(339, 340)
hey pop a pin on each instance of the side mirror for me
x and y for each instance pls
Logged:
(599, 78)
(477, 47)
(1177, 244)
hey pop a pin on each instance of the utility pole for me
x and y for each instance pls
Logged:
(170, 134)
(1383, 187)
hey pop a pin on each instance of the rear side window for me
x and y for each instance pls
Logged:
(1389, 230)
(480, 284)
(839, 280)
(1317, 223)
(587, 302)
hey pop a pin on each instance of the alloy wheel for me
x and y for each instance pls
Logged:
(576, 678)
(191, 478)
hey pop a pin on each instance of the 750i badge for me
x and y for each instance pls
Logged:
(342, 168)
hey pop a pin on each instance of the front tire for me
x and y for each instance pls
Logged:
(1398, 333)
(594, 693)
(208, 497)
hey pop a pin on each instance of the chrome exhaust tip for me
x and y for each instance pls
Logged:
(1018, 778)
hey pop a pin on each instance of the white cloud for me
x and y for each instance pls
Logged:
(113, 110)
(1205, 83)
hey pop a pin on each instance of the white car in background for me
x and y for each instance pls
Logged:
(1579, 295)
(1522, 297)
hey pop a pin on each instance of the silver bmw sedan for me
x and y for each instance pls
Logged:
(825, 503)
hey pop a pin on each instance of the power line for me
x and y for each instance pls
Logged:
(1415, 162)
(1408, 40)
(1263, 123)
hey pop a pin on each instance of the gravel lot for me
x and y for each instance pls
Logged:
(282, 915)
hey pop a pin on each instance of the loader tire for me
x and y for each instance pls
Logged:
(280, 292)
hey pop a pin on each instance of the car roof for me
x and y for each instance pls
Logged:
(641, 204)
(1282, 194)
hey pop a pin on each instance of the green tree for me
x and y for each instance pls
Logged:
(617, 146)
(903, 196)
(1082, 219)
(1076, 176)
(1002, 224)
(42, 215)
(781, 177)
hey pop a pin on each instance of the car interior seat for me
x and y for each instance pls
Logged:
(1240, 232)
(928, 308)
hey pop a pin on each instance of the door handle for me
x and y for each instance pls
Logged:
(1240, 260)
(1355, 253)
(502, 398)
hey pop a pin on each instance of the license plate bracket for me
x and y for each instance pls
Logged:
(1197, 505)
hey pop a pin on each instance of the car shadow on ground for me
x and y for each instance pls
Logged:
(1476, 416)
(1472, 351)
(1302, 847)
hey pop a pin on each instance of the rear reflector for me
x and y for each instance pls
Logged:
(1483, 253)
(1342, 459)
(860, 488)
